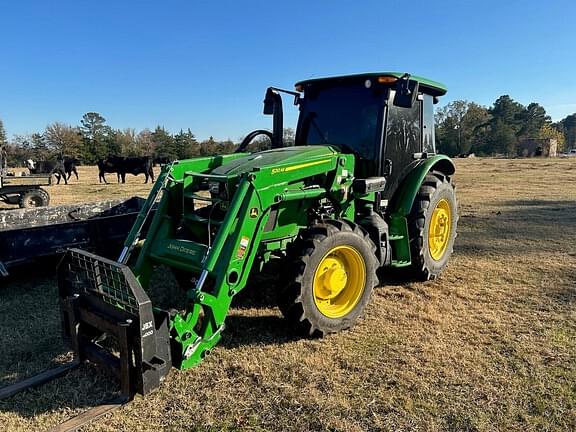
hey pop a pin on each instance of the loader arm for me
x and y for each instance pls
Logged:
(212, 226)
(251, 226)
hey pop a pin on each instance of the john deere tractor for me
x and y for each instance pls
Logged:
(362, 189)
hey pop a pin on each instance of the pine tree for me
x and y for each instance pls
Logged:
(569, 129)
(39, 146)
(533, 119)
(502, 138)
(95, 133)
(164, 145)
(186, 145)
(505, 126)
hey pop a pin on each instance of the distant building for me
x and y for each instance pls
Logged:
(545, 147)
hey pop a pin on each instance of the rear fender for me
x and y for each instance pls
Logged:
(405, 195)
(402, 203)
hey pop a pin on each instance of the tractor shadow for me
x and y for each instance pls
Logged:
(245, 325)
(243, 330)
(518, 226)
(522, 228)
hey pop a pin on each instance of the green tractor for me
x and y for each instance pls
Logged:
(362, 189)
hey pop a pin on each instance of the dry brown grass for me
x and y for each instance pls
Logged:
(491, 345)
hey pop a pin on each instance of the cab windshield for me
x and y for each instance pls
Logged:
(348, 116)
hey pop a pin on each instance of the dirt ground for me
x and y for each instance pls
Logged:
(491, 345)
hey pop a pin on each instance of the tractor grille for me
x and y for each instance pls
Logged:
(96, 276)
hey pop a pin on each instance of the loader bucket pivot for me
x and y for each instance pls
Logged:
(101, 299)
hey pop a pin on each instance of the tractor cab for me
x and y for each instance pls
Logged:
(385, 119)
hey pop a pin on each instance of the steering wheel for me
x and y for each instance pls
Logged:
(250, 137)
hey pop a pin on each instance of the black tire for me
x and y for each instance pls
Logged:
(435, 188)
(34, 198)
(297, 300)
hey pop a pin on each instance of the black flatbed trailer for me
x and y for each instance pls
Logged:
(27, 234)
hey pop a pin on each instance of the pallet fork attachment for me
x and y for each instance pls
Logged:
(108, 319)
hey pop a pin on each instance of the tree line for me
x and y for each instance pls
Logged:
(466, 127)
(93, 139)
(461, 127)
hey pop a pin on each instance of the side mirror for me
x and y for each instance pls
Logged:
(269, 102)
(273, 106)
(406, 92)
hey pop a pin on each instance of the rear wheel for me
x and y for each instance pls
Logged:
(34, 198)
(432, 226)
(331, 277)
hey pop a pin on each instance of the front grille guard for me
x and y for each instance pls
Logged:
(100, 297)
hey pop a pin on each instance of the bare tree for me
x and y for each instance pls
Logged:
(63, 139)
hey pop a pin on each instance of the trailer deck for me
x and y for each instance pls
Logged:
(27, 234)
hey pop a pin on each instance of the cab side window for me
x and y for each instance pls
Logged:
(403, 132)
(403, 139)
(428, 123)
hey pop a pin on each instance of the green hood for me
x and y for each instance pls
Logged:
(275, 157)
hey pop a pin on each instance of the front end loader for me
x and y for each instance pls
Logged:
(363, 189)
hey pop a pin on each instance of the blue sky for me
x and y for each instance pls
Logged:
(205, 64)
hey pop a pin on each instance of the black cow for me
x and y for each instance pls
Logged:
(70, 167)
(125, 165)
(105, 166)
(48, 167)
(162, 160)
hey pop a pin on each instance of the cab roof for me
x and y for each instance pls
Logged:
(427, 86)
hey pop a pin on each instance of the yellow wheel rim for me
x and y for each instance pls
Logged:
(339, 281)
(439, 229)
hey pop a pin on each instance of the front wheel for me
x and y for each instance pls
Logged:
(331, 277)
(432, 226)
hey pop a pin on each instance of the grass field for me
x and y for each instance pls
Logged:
(491, 345)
